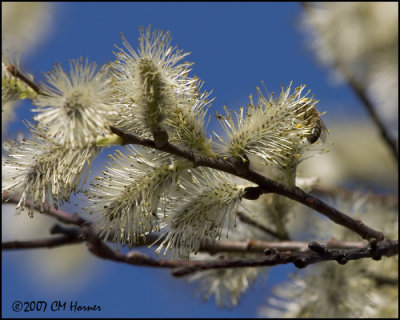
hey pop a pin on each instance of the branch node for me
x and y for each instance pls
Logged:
(310, 201)
(373, 244)
(300, 263)
(56, 228)
(318, 248)
(241, 164)
(252, 193)
(342, 259)
(271, 251)
(160, 138)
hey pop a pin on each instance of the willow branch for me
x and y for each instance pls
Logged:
(277, 254)
(299, 259)
(77, 235)
(265, 184)
(252, 245)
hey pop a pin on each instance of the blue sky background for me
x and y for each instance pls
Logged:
(234, 47)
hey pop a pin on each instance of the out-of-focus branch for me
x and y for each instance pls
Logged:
(390, 142)
(382, 280)
(387, 199)
(246, 219)
(361, 94)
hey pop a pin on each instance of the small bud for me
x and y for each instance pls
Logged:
(373, 243)
(316, 247)
(300, 263)
(252, 193)
(342, 259)
(160, 138)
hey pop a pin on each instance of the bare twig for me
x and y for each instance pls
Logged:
(252, 245)
(41, 243)
(60, 215)
(299, 259)
(246, 219)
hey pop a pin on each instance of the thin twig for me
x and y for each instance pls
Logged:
(41, 243)
(246, 219)
(60, 215)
